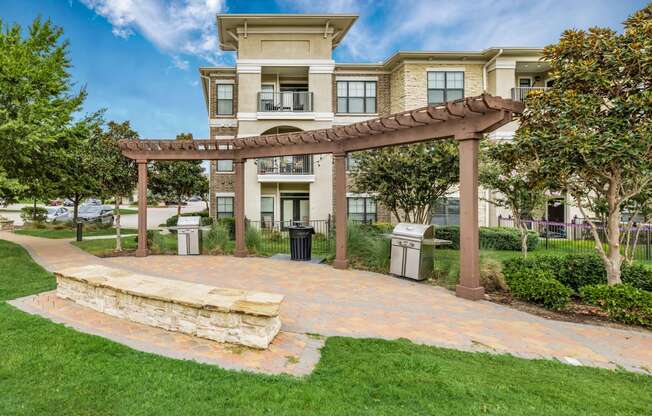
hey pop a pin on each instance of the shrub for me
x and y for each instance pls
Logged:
(624, 303)
(495, 238)
(229, 223)
(150, 238)
(538, 287)
(217, 239)
(252, 239)
(491, 276)
(637, 275)
(31, 214)
(366, 248)
(275, 236)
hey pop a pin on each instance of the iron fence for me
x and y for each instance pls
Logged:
(577, 236)
(288, 165)
(274, 236)
(520, 93)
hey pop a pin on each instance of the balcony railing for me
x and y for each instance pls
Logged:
(519, 93)
(285, 101)
(295, 165)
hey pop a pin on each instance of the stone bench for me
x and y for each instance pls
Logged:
(224, 315)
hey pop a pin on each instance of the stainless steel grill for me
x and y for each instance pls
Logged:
(189, 235)
(412, 251)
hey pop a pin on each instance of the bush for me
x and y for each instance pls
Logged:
(578, 270)
(495, 238)
(637, 275)
(538, 287)
(366, 248)
(31, 214)
(229, 223)
(252, 239)
(623, 303)
(275, 236)
(217, 239)
(491, 276)
(150, 238)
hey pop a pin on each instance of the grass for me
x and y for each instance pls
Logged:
(126, 211)
(48, 366)
(163, 244)
(70, 233)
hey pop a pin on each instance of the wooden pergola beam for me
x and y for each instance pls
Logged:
(465, 120)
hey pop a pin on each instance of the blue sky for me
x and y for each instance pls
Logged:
(139, 58)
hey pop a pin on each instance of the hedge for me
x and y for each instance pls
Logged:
(495, 238)
(578, 270)
(623, 303)
(538, 287)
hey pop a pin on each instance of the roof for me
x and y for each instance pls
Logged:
(228, 24)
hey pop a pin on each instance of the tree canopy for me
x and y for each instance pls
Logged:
(591, 132)
(408, 179)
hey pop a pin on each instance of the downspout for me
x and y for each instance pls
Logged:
(208, 107)
(484, 69)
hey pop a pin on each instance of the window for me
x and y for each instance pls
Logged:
(225, 166)
(524, 82)
(446, 212)
(224, 99)
(267, 211)
(445, 86)
(362, 209)
(356, 96)
(224, 206)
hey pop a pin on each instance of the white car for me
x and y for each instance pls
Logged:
(57, 214)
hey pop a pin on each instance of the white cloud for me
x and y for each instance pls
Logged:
(179, 27)
(385, 26)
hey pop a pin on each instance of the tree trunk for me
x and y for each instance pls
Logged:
(178, 207)
(34, 211)
(118, 238)
(75, 210)
(614, 259)
(524, 242)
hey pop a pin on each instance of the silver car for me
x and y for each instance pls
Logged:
(95, 213)
(57, 214)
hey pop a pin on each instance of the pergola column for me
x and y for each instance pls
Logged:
(142, 250)
(340, 261)
(469, 285)
(239, 205)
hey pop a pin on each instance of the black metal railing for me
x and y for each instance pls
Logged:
(293, 165)
(577, 236)
(273, 236)
(519, 93)
(285, 101)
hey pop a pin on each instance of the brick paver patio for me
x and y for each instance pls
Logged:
(322, 300)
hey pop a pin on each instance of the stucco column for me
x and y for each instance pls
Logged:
(469, 285)
(240, 246)
(142, 251)
(340, 261)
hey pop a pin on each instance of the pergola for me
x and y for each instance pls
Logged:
(465, 120)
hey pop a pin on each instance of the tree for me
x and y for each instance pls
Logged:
(75, 163)
(408, 179)
(118, 175)
(591, 132)
(176, 180)
(522, 189)
(36, 103)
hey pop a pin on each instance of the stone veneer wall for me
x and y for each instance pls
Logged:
(219, 182)
(217, 324)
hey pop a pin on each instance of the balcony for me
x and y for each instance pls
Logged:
(519, 93)
(285, 102)
(286, 169)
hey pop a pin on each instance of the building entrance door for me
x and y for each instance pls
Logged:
(556, 210)
(295, 208)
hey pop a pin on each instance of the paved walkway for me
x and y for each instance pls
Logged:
(322, 300)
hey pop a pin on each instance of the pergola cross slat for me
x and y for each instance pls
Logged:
(465, 120)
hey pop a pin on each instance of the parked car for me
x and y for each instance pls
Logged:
(194, 198)
(57, 214)
(68, 203)
(102, 214)
(175, 203)
(55, 202)
(92, 201)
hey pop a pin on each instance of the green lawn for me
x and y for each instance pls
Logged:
(126, 211)
(70, 233)
(46, 366)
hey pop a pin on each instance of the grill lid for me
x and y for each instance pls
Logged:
(188, 221)
(417, 231)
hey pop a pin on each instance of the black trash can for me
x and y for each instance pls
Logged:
(300, 242)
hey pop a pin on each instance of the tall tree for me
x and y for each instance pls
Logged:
(176, 180)
(118, 175)
(592, 131)
(36, 103)
(506, 169)
(408, 179)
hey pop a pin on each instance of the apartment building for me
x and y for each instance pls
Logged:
(285, 79)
